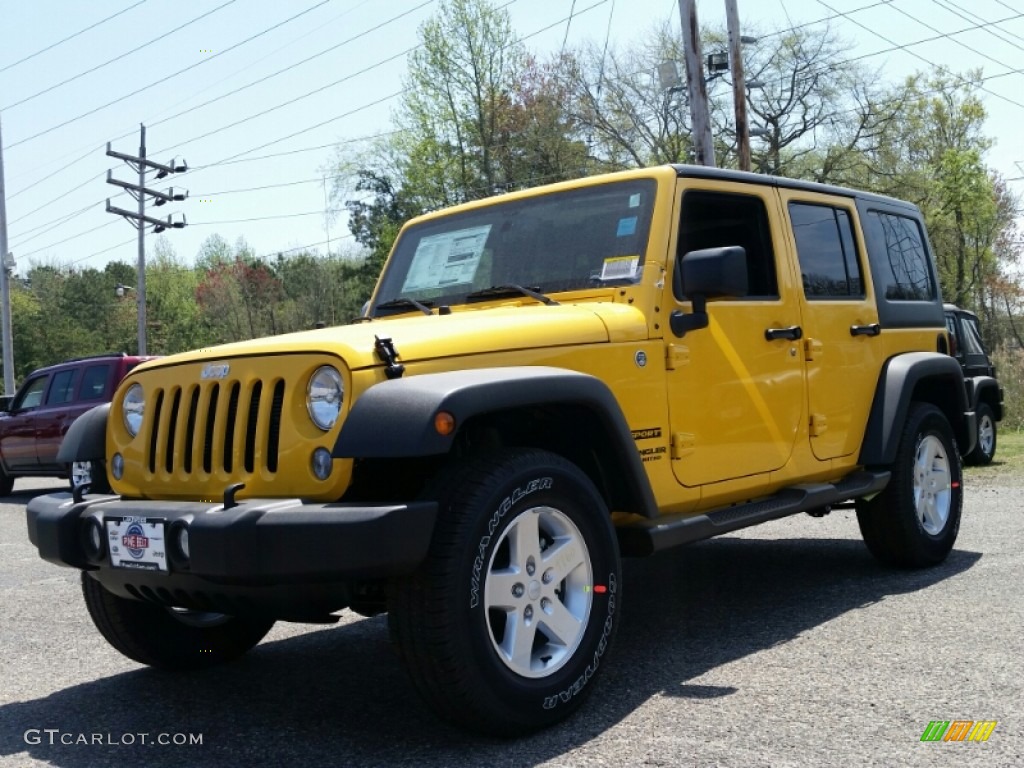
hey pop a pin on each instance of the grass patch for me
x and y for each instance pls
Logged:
(1008, 464)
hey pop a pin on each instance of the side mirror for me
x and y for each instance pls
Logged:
(710, 273)
(5, 403)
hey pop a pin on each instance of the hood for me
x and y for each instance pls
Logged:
(464, 332)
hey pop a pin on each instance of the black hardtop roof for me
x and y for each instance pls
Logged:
(746, 177)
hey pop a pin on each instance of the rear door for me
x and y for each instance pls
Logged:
(840, 319)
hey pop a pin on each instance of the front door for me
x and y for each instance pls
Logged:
(18, 432)
(736, 388)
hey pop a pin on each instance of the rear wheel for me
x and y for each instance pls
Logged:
(914, 522)
(6, 483)
(985, 449)
(169, 638)
(506, 624)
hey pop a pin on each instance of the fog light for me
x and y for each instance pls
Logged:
(322, 463)
(117, 466)
(93, 539)
(183, 542)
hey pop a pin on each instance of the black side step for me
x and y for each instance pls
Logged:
(651, 536)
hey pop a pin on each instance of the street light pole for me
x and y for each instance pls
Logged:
(140, 289)
(739, 91)
(5, 289)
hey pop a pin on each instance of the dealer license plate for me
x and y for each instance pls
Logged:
(137, 543)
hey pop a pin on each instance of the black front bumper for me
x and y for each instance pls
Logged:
(259, 542)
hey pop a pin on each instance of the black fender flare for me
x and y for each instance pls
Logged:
(985, 389)
(928, 376)
(86, 438)
(395, 419)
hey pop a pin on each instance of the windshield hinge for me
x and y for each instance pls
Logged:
(388, 354)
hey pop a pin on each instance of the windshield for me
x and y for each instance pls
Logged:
(562, 241)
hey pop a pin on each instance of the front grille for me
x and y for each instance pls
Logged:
(218, 426)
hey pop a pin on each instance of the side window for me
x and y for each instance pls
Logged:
(905, 275)
(94, 382)
(825, 248)
(32, 395)
(718, 219)
(972, 337)
(62, 389)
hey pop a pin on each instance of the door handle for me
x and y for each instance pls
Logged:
(792, 333)
(865, 330)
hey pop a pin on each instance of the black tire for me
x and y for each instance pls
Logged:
(161, 637)
(98, 482)
(914, 522)
(6, 484)
(985, 449)
(457, 638)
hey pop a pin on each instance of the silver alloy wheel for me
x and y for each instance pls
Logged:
(81, 473)
(538, 592)
(199, 618)
(986, 435)
(932, 484)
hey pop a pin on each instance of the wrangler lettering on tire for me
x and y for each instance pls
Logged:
(514, 646)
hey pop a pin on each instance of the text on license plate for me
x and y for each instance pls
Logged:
(137, 543)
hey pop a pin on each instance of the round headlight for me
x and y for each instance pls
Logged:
(323, 396)
(132, 408)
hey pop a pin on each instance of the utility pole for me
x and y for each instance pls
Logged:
(703, 145)
(140, 220)
(739, 86)
(6, 262)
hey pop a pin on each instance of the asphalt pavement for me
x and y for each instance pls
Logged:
(785, 645)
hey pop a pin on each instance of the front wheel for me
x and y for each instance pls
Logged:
(914, 522)
(505, 626)
(169, 638)
(91, 473)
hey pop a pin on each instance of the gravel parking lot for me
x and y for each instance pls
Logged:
(784, 646)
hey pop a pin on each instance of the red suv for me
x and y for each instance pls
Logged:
(33, 423)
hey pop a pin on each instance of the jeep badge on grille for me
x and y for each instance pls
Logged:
(212, 371)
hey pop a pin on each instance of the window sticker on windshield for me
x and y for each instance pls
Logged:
(634, 200)
(447, 259)
(627, 226)
(619, 267)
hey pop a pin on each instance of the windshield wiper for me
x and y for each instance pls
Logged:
(511, 289)
(405, 301)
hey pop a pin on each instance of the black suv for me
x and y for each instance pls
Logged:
(980, 376)
(34, 421)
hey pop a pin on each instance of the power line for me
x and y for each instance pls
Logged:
(300, 63)
(168, 77)
(953, 8)
(919, 56)
(70, 37)
(961, 43)
(111, 61)
(71, 237)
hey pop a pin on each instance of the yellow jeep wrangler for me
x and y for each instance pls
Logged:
(543, 382)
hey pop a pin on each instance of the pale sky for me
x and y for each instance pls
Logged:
(54, 141)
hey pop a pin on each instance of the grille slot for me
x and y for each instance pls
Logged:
(229, 429)
(250, 427)
(195, 431)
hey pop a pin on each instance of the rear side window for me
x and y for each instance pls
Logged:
(718, 219)
(825, 248)
(94, 382)
(62, 390)
(905, 275)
